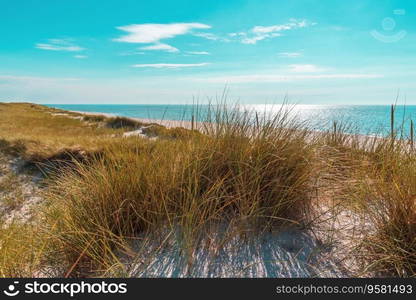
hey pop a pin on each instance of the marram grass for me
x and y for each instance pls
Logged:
(234, 173)
(249, 174)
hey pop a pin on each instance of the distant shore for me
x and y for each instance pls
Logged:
(166, 123)
(361, 138)
(362, 119)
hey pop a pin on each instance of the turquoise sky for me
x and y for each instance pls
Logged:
(125, 51)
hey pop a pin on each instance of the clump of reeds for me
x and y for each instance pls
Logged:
(114, 122)
(94, 118)
(383, 184)
(156, 130)
(22, 250)
(250, 173)
(13, 148)
(388, 191)
(123, 122)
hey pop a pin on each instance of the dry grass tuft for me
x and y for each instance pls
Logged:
(239, 170)
(122, 122)
(250, 176)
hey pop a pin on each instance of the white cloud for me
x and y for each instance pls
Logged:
(290, 54)
(80, 56)
(305, 69)
(208, 36)
(258, 33)
(59, 45)
(234, 34)
(160, 47)
(211, 36)
(33, 79)
(169, 66)
(275, 28)
(253, 40)
(198, 52)
(153, 33)
(129, 53)
(261, 78)
(270, 29)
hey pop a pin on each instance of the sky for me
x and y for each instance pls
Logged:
(181, 51)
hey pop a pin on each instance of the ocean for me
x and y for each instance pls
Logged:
(362, 119)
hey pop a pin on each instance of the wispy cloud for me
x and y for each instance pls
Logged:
(253, 40)
(34, 79)
(160, 47)
(211, 36)
(129, 53)
(290, 54)
(198, 52)
(81, 56)
(261, 78)
(306, 69)
(154, 33)
(59, 45)
(258, 33)
(169, 66)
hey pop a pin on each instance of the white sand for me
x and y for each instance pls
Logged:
(287, 253)
(25, 195)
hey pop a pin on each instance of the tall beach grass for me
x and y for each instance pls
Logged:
(255, 176)
(235, 169)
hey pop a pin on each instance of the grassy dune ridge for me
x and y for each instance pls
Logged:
(102, 191)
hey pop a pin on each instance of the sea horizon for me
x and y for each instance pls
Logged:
(361, 119)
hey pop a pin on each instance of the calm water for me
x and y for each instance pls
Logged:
(365, 119)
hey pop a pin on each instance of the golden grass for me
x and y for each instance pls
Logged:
(385, 190)
(254, 174)
(376, 178)
(256, 178)
(21, 251)
(44, 131)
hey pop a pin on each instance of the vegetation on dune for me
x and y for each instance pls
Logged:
(23, 249)
(122, 122)
(384, 188)
(260, 180)
(156, 130)
(104, 191)
(377, 179)
(42, 131)
(14, 148)
(94, 118)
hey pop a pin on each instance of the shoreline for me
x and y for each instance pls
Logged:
(188, 125)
